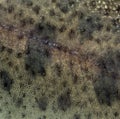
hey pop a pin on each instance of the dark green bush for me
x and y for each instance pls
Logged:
(89, 24)
(5, 80)
(36, 57)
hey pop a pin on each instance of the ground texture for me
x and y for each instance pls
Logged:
(59, 59)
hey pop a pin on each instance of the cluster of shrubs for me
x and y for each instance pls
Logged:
(36, 57)
(106, 85)
(88, 24)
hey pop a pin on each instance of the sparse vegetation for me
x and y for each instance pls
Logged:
(59, 59)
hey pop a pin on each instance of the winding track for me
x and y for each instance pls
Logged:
(43, 41)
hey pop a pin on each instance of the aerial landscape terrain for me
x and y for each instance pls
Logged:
(59, 59)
